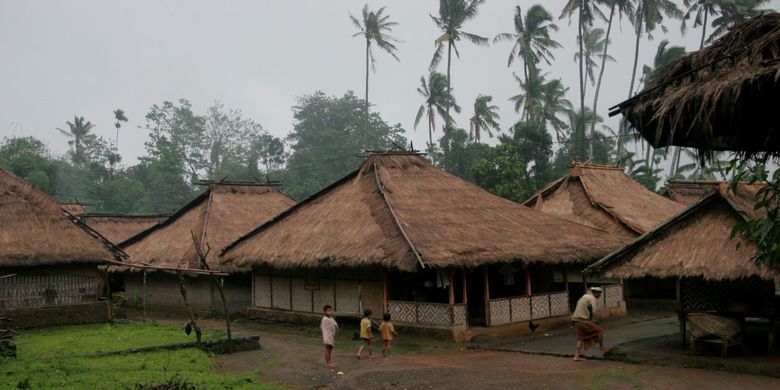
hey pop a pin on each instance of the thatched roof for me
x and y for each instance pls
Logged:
(695, 243)
(217, 217)
(688, 192)
(35, 230)
(399, 211)
(723, 97)
(74, 208)
(118, 227)
(606, 198)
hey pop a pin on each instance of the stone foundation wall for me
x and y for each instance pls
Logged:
(77, 313)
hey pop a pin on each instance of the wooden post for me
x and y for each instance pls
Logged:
(192, 323)
(565, 279)
(452, 286)
(143, 292)
(385, 305)
(487, 296)
(528, 289)
(221, 287)
(465, 294)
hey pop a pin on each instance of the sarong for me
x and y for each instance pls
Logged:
(589, 333)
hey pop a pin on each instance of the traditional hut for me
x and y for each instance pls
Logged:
(51, 256)
(606, 198)
(688, 192)
(712, 271)
(723, 97)
(120, 227)
(220, 215)
(402, 236)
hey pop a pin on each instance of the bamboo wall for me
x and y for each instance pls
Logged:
(48, 286)
(162, 292)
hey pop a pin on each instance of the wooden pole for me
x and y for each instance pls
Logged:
(465, 293)
(528, 289)
(487, 296)
(385, 294)
(183, 292)
(143, 292)
(452, 286)
(565, 279)
(221, 287)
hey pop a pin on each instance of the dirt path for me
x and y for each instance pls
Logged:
(292, 358)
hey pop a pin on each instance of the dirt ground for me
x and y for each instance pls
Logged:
(292, 358)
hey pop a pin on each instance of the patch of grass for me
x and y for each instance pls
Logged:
(56, 342)
(49, 358)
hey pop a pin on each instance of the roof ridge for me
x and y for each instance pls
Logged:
(389, 205)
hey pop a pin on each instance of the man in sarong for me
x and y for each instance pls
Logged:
(588, 333)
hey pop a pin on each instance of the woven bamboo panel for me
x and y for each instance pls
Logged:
(559, 304)
(30, 290)
(323, 296)
(613, 295)
(459, 314)
(301, 298)
(499, 312)
(436, 314)
(262, 291)
(540, 306)
(403, 311)
(347, 297)
(521, 309)
(280, 287)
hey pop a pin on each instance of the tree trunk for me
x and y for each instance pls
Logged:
(704, 28)
(622, 130)
(365, 123)
(581, 123)
(598, 83)
(446, 145)
(430, 138)
(220, 283)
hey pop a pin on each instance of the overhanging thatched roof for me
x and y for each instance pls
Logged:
(119, 227)
(688, 192)
(695, 243)
(723, 97)
(35, 230)
(74, 208)
(217, 217)
(399, 211)
(606, 198)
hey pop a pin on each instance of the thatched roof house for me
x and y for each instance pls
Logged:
(216, 218)
(399, 211)
(35, 231)
(723, 97)
(604, 197)
(694, 243)
(119, 227)
(688, 192)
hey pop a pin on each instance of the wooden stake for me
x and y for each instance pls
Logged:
(487, 296)
(183, 291)
(143, 291)
(385, 294)
(465, 293)
(452, 286)
(528, 289)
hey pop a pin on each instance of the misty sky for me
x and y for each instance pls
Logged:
(64, 58)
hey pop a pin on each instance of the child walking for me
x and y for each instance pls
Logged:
(387, 331)
(366, 337)
(329, 327)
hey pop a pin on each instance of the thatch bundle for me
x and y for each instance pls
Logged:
(723, 97)
(74, 208)
(34, 230)
(216, 218)
(695, 243)
(688, 192)
(118, 227)
(606, 198)
(399, 211)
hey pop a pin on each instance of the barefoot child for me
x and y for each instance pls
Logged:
(329, 328)
(366, 337)
(387, 331)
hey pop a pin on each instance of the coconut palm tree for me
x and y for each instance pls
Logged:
(733, 12)
(586, 11)
(593, 49)
(485, 117)
(375, 27)
(531, 38)
(452, 15)
(436, 102)
(621, 8)
(530, 102)
(119, 116)
(79, 133)
(649, 15)
(554, 103)
(702, 9)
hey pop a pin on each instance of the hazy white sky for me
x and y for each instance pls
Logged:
(88, 57)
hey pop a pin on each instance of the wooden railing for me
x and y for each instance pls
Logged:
(427, 313)
(528, 307)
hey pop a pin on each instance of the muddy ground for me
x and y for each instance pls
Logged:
(292, 358)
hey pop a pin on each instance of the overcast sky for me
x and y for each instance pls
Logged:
(64, 58)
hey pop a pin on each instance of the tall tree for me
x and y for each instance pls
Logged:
(485, 117)
(649, 16)
(531, 39)
(702, 9)
(593, 49)
(80, 134)
(554, 103)
(437, 99)
(529, 102)
(374, 27)
(621, 8)
(452, 15)
(119, 116)
(733, 12)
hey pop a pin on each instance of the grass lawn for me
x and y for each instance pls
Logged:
(50, 358)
